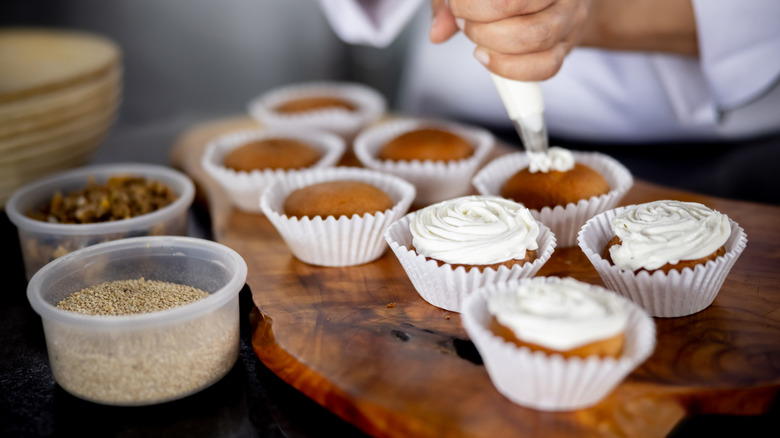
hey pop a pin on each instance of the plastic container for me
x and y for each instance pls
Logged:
(145, 358)
(42, 242)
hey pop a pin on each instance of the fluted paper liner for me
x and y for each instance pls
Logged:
(445, 287)
(370, 106)
(564, 221)
(333, 241)
(551, 382)
(661, 295)
(434, 180)
(244, 188)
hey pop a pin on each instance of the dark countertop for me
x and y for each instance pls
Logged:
(248, 402)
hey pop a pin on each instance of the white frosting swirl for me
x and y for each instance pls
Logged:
(475, 230)
(661, 232)
(556, 158)
(558, 313)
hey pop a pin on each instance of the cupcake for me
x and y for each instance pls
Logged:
(670, 257)
(244, 163)
(548, 182)
(450, 248)
(563, 189)
(272, 153)
(556, 344)
(437, 156)
(318, 213)
(342, 108)
(426, 143)
(336, 198)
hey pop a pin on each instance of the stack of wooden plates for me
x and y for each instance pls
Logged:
(59, 95)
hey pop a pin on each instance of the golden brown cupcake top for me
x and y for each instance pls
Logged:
(272, 153)
(314, 103)
(537, 190)
(426, 144)
(337, 198)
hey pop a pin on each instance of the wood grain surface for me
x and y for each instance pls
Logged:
(362, 343)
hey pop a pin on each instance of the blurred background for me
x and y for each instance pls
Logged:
(188, 61)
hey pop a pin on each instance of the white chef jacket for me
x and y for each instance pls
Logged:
(731, 91)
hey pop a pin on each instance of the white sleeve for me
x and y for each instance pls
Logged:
(739, 60)
(368, 22)
(739, 43)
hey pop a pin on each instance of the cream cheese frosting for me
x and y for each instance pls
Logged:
(556, 158)
(559, 314)
(661, 232)
(475, 230)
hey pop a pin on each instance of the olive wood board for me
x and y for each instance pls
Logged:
(362, 343)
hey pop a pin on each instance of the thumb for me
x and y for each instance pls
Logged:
(443, 26)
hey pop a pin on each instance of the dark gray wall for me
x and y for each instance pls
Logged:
(187, 61)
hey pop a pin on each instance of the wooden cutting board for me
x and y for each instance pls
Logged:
(362, 343)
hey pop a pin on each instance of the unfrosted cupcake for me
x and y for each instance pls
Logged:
(317, 232)
(244, 163)
(339, 107)
(450, 248)
(336, 198)
(569, 343)
(670, 257)
(562, 188)
(272, 153)
(437, 156)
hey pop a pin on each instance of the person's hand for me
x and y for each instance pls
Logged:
(519, 39)
(528, 40)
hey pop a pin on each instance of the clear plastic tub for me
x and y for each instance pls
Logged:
(145, 358)
(42, 242)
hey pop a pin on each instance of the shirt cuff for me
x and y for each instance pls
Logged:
(368, 22)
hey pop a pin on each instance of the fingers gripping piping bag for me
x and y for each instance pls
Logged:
(525, 106)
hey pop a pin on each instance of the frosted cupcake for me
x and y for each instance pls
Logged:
(562, 188)
(451, 248)
(339, 107)
(244, 163)
(556, 344)
(331, 238)
(670, 257)
(437, 156)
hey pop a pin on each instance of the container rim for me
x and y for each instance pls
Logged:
(144, 320)
(179, 182)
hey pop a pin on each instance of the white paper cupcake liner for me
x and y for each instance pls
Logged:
(435, 180)
(336, 241)
(661, 295)
(564, 221)
(551, 382)
(370, 105)
(448, 288)
(245, 188)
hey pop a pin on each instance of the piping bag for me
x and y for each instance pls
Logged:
(525, 106)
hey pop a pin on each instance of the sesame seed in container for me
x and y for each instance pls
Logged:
(140, 321)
